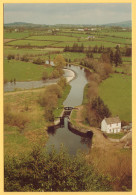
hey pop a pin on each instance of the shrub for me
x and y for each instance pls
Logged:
(52, 172)
(13, 118)
(54, 89)
(38, 61)
(62, 82)
(25, 58)
(97, 110)
(48, 100)
(11, 56)
(45, 76)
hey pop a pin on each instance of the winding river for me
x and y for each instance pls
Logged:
(62, 135)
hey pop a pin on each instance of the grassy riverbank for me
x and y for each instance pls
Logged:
(59, 107)
(107, 157)
(24, 71)
(25, 121)
(116, 91)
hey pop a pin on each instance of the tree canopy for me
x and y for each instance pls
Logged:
(59, 61)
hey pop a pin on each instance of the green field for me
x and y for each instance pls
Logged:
(30, 43)
(53, 38)
(116, 40)
(116, 91)
(13, 51)
(87, 44)
(23, 71)
(126, 68)
(126, 59)
(15, 35)
(117, 34)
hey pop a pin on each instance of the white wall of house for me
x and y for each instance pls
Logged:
(110, 128)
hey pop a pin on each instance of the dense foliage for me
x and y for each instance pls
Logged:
(52, 171)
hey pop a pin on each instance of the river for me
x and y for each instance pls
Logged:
(62, 135)
(68, 74)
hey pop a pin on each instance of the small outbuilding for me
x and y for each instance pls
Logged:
(111, 125)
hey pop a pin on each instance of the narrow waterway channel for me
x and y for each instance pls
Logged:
(62, 135)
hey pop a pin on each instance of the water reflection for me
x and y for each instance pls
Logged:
(73, 142)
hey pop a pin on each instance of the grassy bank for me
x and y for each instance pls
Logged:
(117, 94)
(24, 71)
(115, 135)
(59, 108)
(25, 121)
(17, 135)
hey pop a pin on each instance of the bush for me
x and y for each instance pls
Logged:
(11, 56)
(52, 172)
(47, 100)
(62, 82)
(54, 89)
(97, 111)
(13, 118)
(38, 61)
(45, 76)
(24, 58)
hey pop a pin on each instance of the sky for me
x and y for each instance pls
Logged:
(67, 13)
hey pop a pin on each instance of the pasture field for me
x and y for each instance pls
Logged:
(116, 40)
(53, 38)
(126, 68)
(73, 34)
(126, 59)
(15, 35)
(92, 43)
(21, 52)
(127, 34)
(30, 43)
(24, 71)
(116, 92)
(73, 55)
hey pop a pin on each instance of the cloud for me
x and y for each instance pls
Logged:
(90, 13)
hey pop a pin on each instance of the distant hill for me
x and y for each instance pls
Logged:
(21, 24)
(126, 24)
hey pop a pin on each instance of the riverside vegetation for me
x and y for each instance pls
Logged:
(27, 114)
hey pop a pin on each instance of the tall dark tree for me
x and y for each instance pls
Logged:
(117, 57)
(111, 56)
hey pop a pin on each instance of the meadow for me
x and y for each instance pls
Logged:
(15, 35)
(53, 38)
(30, 43)
(24, 71)
(91, 43)
(116, 91)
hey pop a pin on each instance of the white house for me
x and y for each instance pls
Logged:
(111, 125)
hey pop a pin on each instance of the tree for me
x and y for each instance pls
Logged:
(117, 57)
(45, 76)
(111, 57)
(25, 58)
(59, 61)
(42, 171)
(105, 57)
(128, 51)
(10, 57)
(62, 82)
(38, 61)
